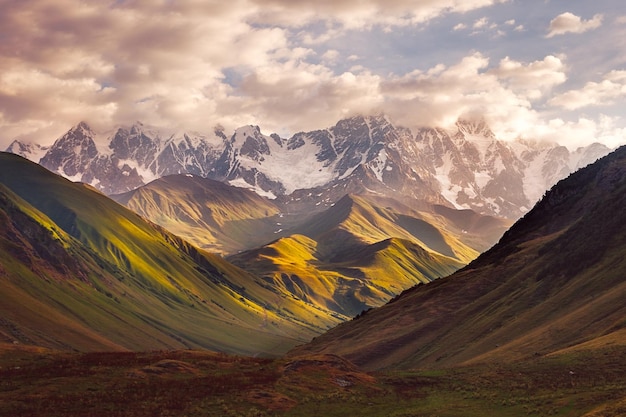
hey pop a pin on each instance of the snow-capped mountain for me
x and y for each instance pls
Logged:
(466, 167)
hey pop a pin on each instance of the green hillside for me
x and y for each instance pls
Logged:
(355, 256)
(79, 271)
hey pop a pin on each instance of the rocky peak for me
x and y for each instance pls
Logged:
(32, 151)
(72, 152)
(468, 168)
(251, 143)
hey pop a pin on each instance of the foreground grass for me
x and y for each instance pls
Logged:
(35, 382)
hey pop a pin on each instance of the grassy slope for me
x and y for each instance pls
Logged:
(555, 280)
(134, 286)
(207, 213)
(354, 256)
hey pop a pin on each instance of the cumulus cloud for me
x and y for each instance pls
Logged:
(193, 64)
(443, 94)
(570, 23)
(531, 80)
(576, 133)
(180, 62)
(480, 23)
(603, 93)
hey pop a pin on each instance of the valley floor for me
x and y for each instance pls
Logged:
(38, 382)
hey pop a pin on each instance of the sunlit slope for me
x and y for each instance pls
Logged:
(210, 214)
(353, 220)
(121, 282)
(555, 281)
(353, 257)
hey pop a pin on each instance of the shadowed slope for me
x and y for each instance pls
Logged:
(555, 280)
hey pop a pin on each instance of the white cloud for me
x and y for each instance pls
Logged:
(355, 14)
(191, 64)
(480, 23)
(570, 23)
(330, 56)
(574, 134)
(443, 94)
(177, 62)
(531, 80)
(603, 93)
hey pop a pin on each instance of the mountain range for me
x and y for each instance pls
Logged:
(464, 168)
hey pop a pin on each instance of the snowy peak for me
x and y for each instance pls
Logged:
(72, 152)
(133, 144)
(251, 143)
(32, 151)
(465, 168)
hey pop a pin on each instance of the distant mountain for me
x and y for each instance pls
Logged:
(554, 282)
(79, 271)
(466, 168)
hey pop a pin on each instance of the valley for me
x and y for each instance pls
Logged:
(190, 296)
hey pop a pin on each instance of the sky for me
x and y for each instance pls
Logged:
(534, 69)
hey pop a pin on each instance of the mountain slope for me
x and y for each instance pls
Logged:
(355, 256)
(74, 259)
(207, 213)
(554, 281)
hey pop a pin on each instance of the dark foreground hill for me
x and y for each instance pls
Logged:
(556, 281)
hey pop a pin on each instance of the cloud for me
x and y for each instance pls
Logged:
(570, 23)
(171, 62)
(282, 64)
(359, 14)
(480, 23)
(576, 133)
(603, 93)
(443, 94)
(531, 80)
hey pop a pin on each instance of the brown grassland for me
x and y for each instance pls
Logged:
(38, 382)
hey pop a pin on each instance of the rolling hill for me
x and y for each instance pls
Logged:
(553, 284)
(79, 271)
